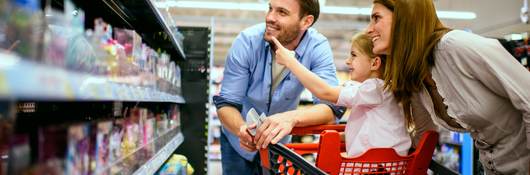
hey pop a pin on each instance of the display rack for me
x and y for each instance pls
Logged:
(455, 151)
(140, 15)
(52, 98)
(151, 166)
(214, 124)
(50, 83)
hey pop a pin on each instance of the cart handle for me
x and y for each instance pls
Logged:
(316, 129)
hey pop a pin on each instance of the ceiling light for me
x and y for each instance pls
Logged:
(346, 10)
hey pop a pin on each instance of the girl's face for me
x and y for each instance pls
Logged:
(359, 64)
(380, 28)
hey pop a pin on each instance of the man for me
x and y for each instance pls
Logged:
(252, 79)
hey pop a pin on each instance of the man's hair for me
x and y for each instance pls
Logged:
(309, 7)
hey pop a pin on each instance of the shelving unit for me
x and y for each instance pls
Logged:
(44, 103)
(455, 151)
(49, 83)
(153, 164)
(141, 15)
(214, 124)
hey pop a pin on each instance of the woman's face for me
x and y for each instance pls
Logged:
(380, 28)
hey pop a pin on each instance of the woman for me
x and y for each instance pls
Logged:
(464, 82)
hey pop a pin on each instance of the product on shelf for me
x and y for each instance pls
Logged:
(116, 136)
(161, 124)
(103, 146)
(126, 42)
(174, 118)
(23, 28)
(19, 154)
(77, 155)
(55, 37)
(176, 165)
(148, 134)
(217, 74)
(449, 157)
(129, 145)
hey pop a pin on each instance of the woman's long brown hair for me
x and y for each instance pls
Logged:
(416, 30)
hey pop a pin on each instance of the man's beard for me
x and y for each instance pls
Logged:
(288, 35)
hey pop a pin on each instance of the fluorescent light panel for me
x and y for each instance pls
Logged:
(326, 9)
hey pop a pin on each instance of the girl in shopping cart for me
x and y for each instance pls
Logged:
(376, 119)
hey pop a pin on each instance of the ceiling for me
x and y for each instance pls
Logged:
(495, 18)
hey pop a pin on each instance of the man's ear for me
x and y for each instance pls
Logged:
(306, 22)
(376, 63)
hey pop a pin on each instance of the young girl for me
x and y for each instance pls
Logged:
(376, 119)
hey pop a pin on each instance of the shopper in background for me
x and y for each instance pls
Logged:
(465, 82)
(376, 119)
(252, 79)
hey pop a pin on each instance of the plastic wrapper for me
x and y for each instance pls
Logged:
(23, 29)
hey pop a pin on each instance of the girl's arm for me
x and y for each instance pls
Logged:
(311, 81)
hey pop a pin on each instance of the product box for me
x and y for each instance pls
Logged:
(102, 152)
(23, 29)
(116, 135)
(77, 156)
(52, 143)
(174, 116)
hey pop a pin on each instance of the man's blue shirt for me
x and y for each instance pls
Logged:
(247, 79)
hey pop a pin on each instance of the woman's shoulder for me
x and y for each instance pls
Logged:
(459, 39)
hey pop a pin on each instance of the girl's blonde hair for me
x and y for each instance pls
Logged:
(363, 42)
(415, 32)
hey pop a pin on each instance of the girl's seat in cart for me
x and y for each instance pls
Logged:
(286, 159)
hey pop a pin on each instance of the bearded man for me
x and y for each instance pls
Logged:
(252, 79)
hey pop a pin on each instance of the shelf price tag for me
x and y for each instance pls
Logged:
(93, 91)
(107, 91)
(68, 91)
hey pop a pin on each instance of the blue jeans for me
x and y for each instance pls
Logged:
(234, 164)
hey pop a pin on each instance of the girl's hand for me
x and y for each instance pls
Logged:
(283, 56)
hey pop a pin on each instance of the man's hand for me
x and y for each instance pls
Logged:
(283, 56)
(245, 139)
(273, 129)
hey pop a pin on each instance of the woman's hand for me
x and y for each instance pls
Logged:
(283, 56)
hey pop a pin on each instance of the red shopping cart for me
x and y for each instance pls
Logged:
(286, 159)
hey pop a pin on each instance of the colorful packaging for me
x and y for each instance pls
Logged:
(174, 119)
(116, 135)
(77, 156)
(24, 29)
(102, 152)
(176, 165)
(55, 38)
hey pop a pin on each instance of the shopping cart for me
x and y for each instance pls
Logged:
(287, 159)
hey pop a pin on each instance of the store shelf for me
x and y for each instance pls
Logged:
(161, 148)
(140, 15)
(455, 144)
(151, 166)
(214, 152)
(22, 79)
